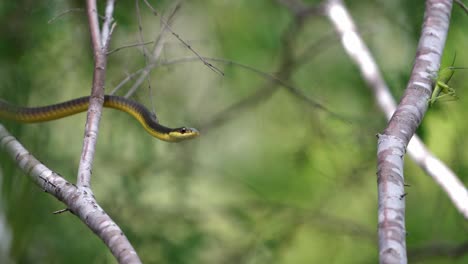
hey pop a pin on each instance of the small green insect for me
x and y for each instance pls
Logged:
(441, 88)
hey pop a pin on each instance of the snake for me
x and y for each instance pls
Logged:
(56, 111)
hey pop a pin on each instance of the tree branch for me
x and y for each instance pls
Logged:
(78, 199)
(107, 28)
(393, 141)
(462, 5)
(417, 150)
(97, 95)
(361, 55)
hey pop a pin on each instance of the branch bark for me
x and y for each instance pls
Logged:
(391, 183)
(78, 199)
(393, 141)
(361, 55)
(96, 100)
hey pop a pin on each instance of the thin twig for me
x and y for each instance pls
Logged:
(157, 51)
(462, 5)
(144, 73)
(154, 58)
(260, 94)
(52, 20)
(209, 65)
(159, 41)
(147, 57)
(292, 89)
(140, 30)
(286, 67)
(106, 27)
(128, 78)
(61, 211)
(129, 46)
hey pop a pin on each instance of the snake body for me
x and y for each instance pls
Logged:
(52, 112)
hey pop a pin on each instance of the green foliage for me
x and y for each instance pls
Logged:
(279, 181)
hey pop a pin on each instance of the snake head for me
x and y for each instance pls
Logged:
(183, 133)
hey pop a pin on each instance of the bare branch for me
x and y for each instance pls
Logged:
(462, 5)
(129, 46)
(263, 93)
(91, 10)
(159, 41)
(209, 65)
(61, 211)
(148, 58)
(77, 199)
(157, 49)
(106, 27)
(361, 55)
(130, 77)
(97, 96)
(390, 183)
(140, 30)
(414, 103)
(52, 20)
(395, 138)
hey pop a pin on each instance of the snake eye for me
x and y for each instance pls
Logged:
(183, 130)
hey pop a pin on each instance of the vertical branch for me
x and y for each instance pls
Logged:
(93, 20)
(391, 188)
(362, 57)
(80, 199)
(97, 96)
(106, 28)
(395, 138)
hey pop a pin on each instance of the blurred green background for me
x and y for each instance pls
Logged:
(273, 180)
